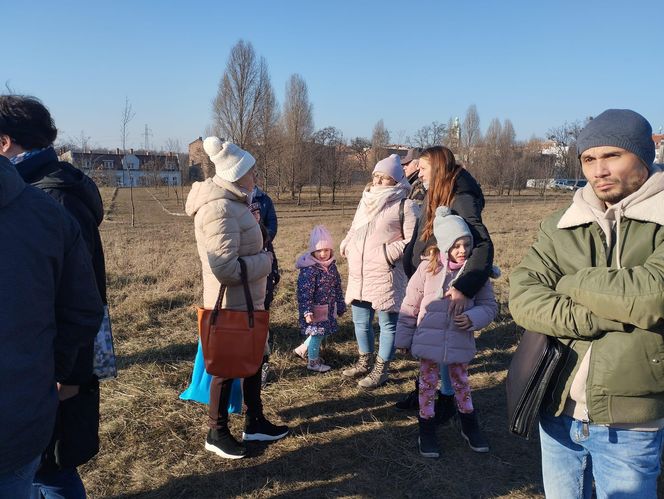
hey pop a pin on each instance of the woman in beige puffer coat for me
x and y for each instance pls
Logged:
(383, 223)
(225, 231)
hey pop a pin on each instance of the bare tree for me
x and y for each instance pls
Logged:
(430, 135)
(240, 98)
(564, 144)
(128, 114)
(470, 133)
(361, 148)
(380, 139)
(327, 142)
(268, 137)
(298, 126)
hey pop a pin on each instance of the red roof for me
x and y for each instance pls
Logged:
(657, 138)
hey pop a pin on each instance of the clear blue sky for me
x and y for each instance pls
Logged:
(410, 63)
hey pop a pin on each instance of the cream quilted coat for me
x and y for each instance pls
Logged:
(225, 230)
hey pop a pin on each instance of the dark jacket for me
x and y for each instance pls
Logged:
(263, 208)
(76, 434)
(417, 192)
(49, 307)
(268, 215)
(468, 203)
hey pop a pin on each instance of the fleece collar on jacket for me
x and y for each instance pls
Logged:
(212, 189)
(645, 205)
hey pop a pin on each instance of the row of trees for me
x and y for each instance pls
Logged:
(291, 153)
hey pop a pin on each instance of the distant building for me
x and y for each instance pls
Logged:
(658, 139)
(136, 169)
(199, 161)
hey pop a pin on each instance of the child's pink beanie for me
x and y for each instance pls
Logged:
(320, 239)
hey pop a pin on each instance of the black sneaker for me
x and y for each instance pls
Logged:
(427, 440)
(261, 430)
(222, 443)
(409, 402)
(445, 409)
(470, 430)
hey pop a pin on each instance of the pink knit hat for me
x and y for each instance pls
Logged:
(390, 166)
(320, 239)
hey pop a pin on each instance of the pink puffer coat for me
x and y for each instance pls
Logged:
(425, 326)
(375, 272)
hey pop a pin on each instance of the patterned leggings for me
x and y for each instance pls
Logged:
(429, 377)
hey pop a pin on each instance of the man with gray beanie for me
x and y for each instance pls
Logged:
(594, 279)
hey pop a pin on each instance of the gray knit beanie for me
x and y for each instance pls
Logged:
(622, 128)
(447, 228)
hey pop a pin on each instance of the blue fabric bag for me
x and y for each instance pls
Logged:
(199, 388)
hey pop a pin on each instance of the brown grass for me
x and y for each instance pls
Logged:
(344, 442)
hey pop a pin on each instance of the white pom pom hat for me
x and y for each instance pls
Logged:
(230, 161)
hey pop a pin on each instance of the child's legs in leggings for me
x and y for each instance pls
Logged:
(429, 374)
(314, 346)
(445, 381)
(461, 385)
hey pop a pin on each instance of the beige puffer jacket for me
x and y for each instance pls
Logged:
(375, 271)
(225, 230)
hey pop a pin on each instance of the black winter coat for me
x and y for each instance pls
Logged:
(49, 307)
(468, 203)
(76, 433)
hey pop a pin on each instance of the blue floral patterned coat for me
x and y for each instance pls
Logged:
(319, 292)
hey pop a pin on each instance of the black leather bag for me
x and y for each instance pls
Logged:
(536, 361)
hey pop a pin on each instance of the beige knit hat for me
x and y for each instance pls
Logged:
(230, 161)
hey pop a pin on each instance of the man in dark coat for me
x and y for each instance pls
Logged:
(410, 163)
(27, 132)
(50, 308)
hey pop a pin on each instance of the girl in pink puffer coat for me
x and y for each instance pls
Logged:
(433, 335)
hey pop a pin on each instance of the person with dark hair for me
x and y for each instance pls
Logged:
(27, 132)
(449, 184)
(50, 309)
(411, 168)
(262, 208)
(594, 279)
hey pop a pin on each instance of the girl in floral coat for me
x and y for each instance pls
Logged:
(319, 295)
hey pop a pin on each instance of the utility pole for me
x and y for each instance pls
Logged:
(147, 134)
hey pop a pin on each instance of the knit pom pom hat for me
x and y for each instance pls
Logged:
(390, 166)
(320, 239)
(448, 228)
(230, 161)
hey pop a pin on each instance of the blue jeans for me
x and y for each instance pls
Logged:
(16, 484)
(445, 381)
(58, 484)
(363, 316)
(624, 463)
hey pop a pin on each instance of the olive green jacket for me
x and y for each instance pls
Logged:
(590, 285)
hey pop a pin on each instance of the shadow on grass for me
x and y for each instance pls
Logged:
(358, 445)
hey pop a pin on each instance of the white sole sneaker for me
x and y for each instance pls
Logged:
(262, 437)
(427, 454)
(221, 453)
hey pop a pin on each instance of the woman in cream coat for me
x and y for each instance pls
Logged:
(226, 230)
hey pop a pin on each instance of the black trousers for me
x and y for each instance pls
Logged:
(220, 393)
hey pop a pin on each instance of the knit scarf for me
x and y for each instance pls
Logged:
(374, 199)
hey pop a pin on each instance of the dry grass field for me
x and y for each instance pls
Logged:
(344, 442)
